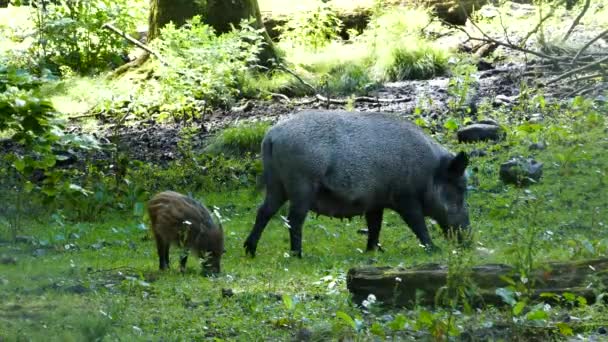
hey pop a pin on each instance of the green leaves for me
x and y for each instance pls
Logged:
(346, 319)
(507, 295)
(204, 67)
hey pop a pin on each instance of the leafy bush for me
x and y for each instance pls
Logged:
(240, 139)
(312, 29)
(203, 66)
(69, 33)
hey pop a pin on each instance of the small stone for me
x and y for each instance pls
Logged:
(387, 318)
(303, 334)
(363, 231)
(39, 252)
(8, 260)
(97, 246)
(227, 293)
(521, 171)
(77, 289)
(479, 132)
(25, 239)
(478, 153)
(536, 118)
(503, 100)
(538, 146)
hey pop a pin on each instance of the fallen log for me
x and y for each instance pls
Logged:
(419, 285)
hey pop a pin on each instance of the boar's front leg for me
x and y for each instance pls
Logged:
(374, 224)
(162, 248)
(296, 217)
(183, 259)
(412, 214)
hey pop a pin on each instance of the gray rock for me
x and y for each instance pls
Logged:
(8, 260)
(503, 100)
(25, 239)
(303, 334)
(39, 252)
(521, 171)
(77, 289)
(479, 132)
(537, 146)
(478, 153)
(536, 118)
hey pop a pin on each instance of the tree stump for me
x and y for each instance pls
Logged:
(419, 285)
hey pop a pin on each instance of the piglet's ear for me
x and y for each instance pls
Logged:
(458, 164)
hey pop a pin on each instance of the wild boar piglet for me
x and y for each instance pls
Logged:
(179, 220)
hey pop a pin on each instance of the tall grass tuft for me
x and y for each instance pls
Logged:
(239, 140)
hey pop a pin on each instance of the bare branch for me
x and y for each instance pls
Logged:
(134, 41)
(577, 70)
(540, 23)
(588, 44)
(287, 70)
(577, 20)
(486, 38)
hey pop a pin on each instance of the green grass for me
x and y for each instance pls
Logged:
(240, 139)
(355, 66)
(113, 260)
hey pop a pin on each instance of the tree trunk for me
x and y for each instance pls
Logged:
(178, 11)
(221, 14)
(419, 285)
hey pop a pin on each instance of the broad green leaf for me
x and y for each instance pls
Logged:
(518, 308)
(451, 124)
(398, 323)
(376, 329)
(507, 295)
(537, 315)
(288, 302)
(564, 329)
(346, 319)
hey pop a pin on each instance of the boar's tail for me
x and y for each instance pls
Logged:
(266, 176)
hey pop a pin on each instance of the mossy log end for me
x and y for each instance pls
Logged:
(419, 285)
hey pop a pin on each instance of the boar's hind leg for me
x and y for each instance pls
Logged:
(413, 216)
(374, 224)
(272, 204)
(162, 248)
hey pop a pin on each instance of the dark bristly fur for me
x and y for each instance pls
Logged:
(343, 164)
(181, 220)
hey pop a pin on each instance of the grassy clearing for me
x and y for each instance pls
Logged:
(100, 280)
(356, 65)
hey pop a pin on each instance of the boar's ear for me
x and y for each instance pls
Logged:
(458, 164)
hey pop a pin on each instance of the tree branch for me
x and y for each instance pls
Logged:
(577, 70)
(588, 45)
(134, 41)
(577, 20)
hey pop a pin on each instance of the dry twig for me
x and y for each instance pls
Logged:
(577, 20)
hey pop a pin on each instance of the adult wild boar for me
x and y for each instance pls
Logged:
(342, 164)
(183, 221)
